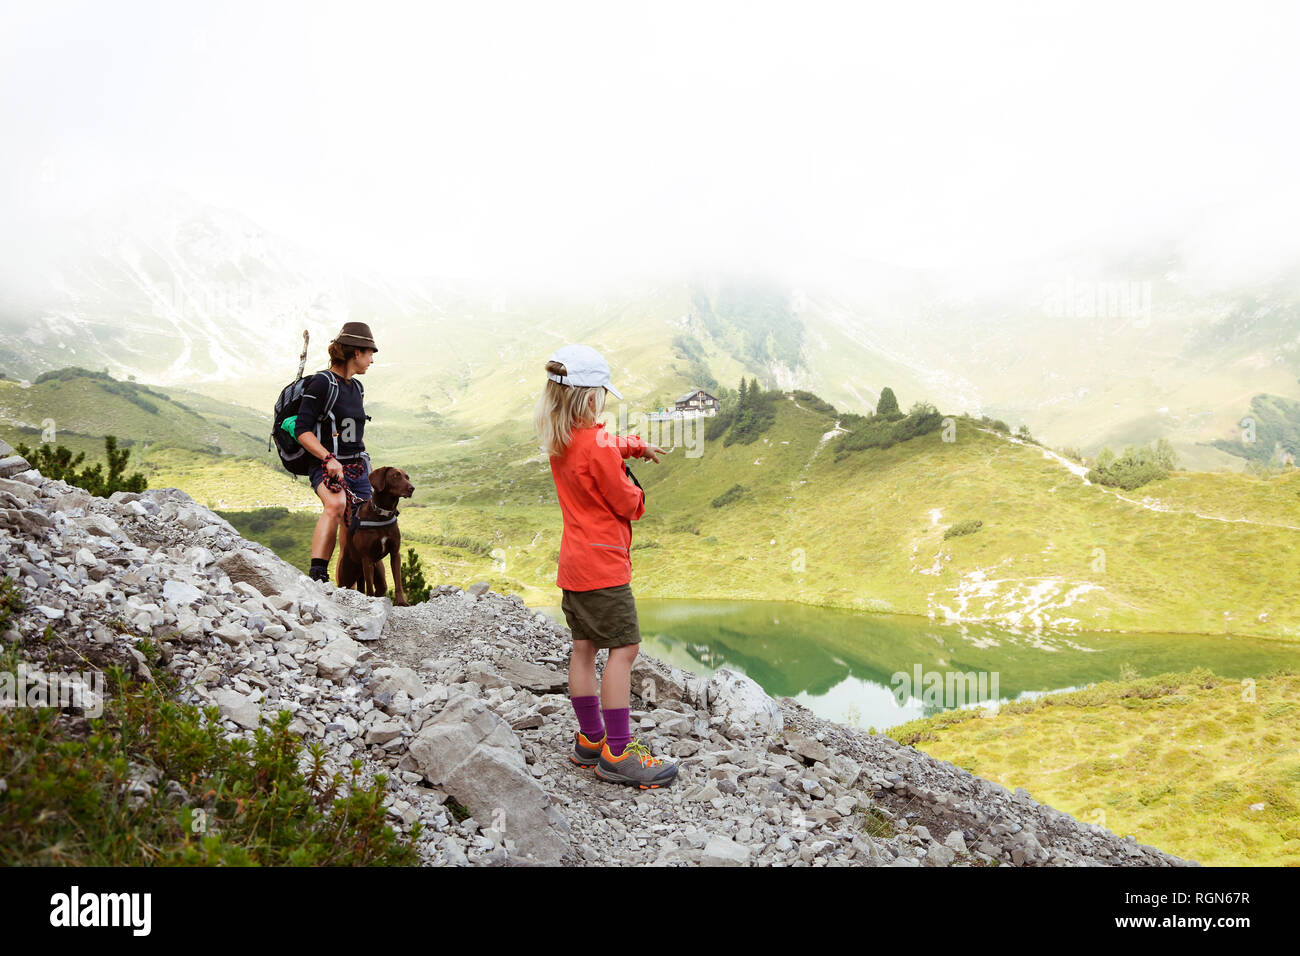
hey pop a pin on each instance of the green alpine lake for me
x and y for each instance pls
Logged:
(874, 670)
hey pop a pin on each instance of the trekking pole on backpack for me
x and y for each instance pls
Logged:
(282, 406)
(302, 359)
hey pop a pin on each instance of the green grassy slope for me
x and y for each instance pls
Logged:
(83, 408)
(863, 531)
(214, 451)
(1196, 765)
(866, 532)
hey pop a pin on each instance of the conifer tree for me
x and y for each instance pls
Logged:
(413, 583)
(58, 463)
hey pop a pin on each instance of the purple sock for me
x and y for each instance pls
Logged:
(616, 725)
(588, 711)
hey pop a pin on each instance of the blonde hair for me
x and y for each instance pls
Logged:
(561, 407)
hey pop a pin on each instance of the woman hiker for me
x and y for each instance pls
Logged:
(342, 459)
(598, 500)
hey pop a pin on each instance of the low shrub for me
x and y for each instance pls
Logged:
(155, 782)
(885, 431)
(969, 526)
(734, 493)
(813, 402)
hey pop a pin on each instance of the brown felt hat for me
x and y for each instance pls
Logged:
(356, 334)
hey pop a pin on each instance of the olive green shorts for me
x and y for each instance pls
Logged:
(605, 616)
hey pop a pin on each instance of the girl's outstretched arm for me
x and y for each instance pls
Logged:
(634, 446)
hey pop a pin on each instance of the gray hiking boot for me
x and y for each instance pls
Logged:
(586, 752)
(637, 767)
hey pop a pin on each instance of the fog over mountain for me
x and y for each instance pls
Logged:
(994, 219)
(1086, 350)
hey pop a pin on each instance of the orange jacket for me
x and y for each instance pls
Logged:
(599, 503)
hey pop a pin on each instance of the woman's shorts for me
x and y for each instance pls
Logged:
(360, 486)
(605, 616)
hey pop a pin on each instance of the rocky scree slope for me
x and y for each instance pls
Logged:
(461, 701)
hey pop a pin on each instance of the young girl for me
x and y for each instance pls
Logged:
(599, 500)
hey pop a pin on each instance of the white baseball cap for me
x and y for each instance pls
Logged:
(585, 366)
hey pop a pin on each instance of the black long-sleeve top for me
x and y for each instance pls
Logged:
(349, 414)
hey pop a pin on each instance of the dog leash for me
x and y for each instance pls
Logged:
(350, 470)
(354, 503)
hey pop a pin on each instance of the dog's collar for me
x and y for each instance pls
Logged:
(389, 515)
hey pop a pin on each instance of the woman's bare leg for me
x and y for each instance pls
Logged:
(327, 525)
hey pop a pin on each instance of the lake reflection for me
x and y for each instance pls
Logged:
(878, 671)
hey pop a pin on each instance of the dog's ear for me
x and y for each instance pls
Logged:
(379, 479)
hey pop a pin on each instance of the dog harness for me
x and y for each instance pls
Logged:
(356, 521)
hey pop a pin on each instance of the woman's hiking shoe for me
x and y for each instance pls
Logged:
(637, 767)
(586, 752)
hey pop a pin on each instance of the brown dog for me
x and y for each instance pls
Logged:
(373, 534)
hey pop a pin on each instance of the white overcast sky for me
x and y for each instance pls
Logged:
(520, 140)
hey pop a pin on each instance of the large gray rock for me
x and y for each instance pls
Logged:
(267, 573)
(533, 677)
(391, 680)
(937, 854)
(239, 708)
(180, 593)
(338, 657)
(11, 464)
(743, 704)
(955, 842)
(383, 731)
(365, 616)
(473, 755)
(20, 490)
(807, 747)
(517, 673)
(233, 634)
(654, 681)
(1025, 848)
(485, 675)
(25, 521)
(724, 851)
(845, 769)
(76, 498)
(368, 622)
(101, 525)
